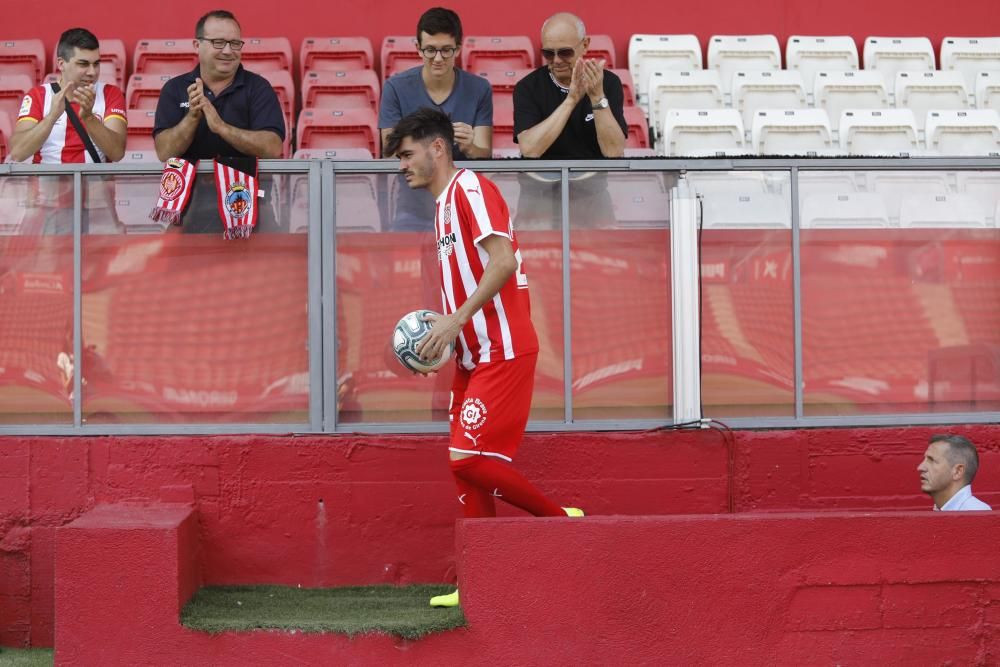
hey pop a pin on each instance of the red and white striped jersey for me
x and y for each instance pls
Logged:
(470, 209)
(63, 143)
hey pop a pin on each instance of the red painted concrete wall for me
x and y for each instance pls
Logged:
(133, 21)
(333, 510)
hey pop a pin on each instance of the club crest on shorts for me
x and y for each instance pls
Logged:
(172, 181)
(473, 414)
(238, 201)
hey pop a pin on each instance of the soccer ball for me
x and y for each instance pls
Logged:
(409, 331)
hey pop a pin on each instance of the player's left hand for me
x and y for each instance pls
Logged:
(85, 96)
(444, 331)
(215, 122)
(592, 78)
(463, 136)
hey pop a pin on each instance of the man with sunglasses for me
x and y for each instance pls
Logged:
(571, 107)
(218, 108)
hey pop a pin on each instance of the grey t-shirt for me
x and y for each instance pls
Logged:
(471, 100)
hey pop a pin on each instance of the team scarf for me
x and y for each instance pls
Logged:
(236, 192)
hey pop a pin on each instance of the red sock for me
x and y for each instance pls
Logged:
(502, 481)
(476, 503)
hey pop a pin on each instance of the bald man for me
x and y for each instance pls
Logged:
(570, 107)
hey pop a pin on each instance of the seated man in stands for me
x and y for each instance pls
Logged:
(569, 108)
(218, 109)
(47, 133)
(946, 473)
(465, 97)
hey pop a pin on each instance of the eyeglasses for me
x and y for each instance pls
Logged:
(430, 52)
(564, 53)
(234, 44)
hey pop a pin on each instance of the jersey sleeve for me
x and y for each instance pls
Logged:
(484, 105)
(169, 111)
(389, 109)
(114, 104)
(265, 109)
(615, 93)
(32, 105)
(527, 111)
(482, 210)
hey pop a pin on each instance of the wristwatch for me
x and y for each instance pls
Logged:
(602, 103)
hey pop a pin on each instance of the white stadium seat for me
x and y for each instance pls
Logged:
(983, 185)
(650, 53)
(844, 210)
(730, 182)
(971, 132)
(970, 56)
(988, 90)
(767, 90)
(890, 55)
(808, 55)
(699, 89)
(729, 54)
(706, 132)
(730, 210)
(827, 182)
(942, 210)
(878, 132)
(895, 186)
(923, 91)
(838, 91)
(791, 132)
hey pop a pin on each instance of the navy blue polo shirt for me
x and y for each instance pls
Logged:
(249, 103)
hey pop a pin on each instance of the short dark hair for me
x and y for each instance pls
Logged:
(960, 450)
(438, 21)
(225, 14)
(424, 124)
(76, 38)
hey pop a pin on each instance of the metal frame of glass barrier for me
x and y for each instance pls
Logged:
(322, 334)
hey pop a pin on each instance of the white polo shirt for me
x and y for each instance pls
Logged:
(964, 501)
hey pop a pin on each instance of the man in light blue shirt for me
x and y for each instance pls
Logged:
(946, 473)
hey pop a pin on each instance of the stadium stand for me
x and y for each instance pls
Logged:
(638, 128)
(692, 133)
(164, 56)
(891, 55)
(827, 182)
(338, 128)
(780, 89)
(836, 92)
(343, 89)
(335, 53)
(791, 132)
(895, 186)
(651, 53)
(970, 56)
(971, 132)
(13, 87)
(983, 185)
(140, 130)
(23, 56)
(284, 88)
(602, 46)
(843, 210)
(505, 52)
(809, 55)
(628, 86)
(922, 91)
(674, 89)
(5, 132)
(261, 54)
(502, 82)
(729, 54)
(714, 182)
(143, 91)
(988, 90)
(398, 53)
(503, 126)
(878, 132)
(333, 154)
(725, 210)
(941, 210)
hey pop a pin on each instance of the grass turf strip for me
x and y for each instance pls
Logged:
(402, 611)
(25, 657)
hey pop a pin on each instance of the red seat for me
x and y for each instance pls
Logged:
(350, 89)
(333, 154)
(113, 62)
(164, 56)
(262, 54)
(140, 156)
(638, 128)
(503, 126)
(602, 46)
(335, 53)
(284, 88)
(5, 132)
(399, 52)
(23, 56)
(143, 90)
(503, 81)
(12, 90)
(338, 128)
(140, 130)
(628, 86)
(507, 52)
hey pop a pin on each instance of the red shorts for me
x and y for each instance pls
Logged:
(490, 405)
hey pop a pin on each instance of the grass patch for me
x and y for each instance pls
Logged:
(401, 611)
(26, 657)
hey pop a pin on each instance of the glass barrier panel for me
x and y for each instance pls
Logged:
(747, 333)
(900, 293)
(621, 313)
(36, 300)
(181, 325)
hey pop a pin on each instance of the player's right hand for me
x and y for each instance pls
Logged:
(58, 107)
(196, 97)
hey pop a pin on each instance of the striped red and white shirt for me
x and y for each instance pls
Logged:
(63, 144)
(470, 209)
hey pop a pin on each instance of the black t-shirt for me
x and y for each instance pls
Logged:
(249, 103)
(537, 95)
